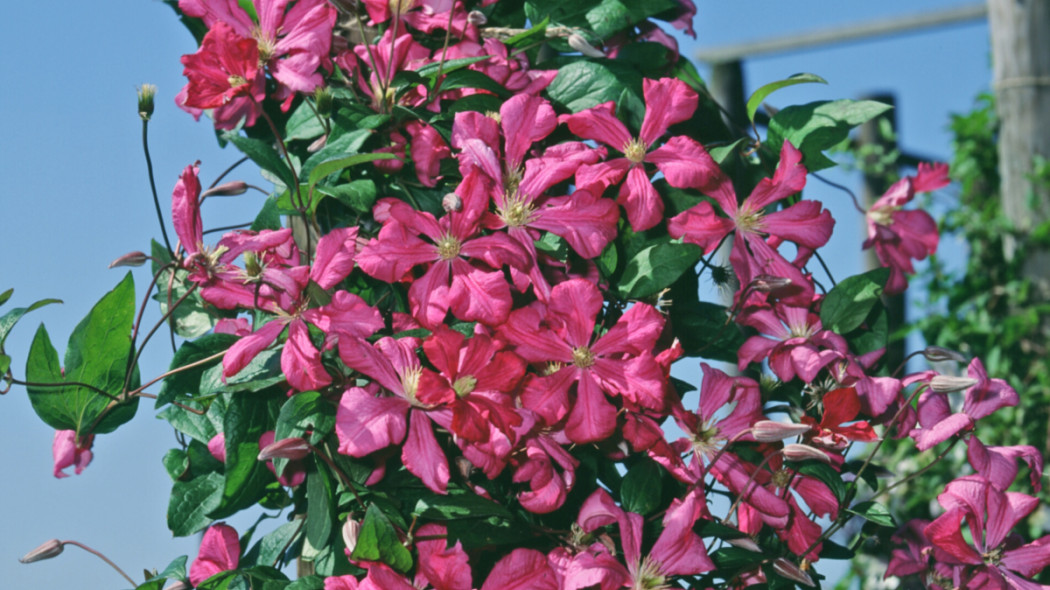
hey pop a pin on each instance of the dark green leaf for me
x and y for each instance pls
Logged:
(817, 126)
(584, 84)
(347, 143)
(642, 487)
(314, 582)
(192, 424)
(760, 95)
(450, 65)
(246, 418)
(319, 509)
(832, 550)
(5, 364)
(302, 412)
(191, 501)
(612, 16)
(269, 216)
(874, 512)
(703, 330)
(846, 306)
(263, 154)
(458, 506)
(97, 355)
(186, 384)
(263, 371)
(358, 195)
(472, 79)
(323, 169)
(303, 123)
(733, 559)
(270, 548)
(481, 103)
(378, 541)
(608, 260)
(537, 34)
(656, 267)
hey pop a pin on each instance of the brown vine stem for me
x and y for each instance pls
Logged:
(163, 321)
(103, 558)
(444, 51)
(65, 384)
(138, 323)
(138, 391)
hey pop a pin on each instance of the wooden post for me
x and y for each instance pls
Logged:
(727, 88)
(1021, 73)
(875, 184)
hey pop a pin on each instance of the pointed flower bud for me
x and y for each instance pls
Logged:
(950, 383)
(227, 189)
(936, 353)
(577, 42)
(792, 572)
(477, 18)
(745, 543)
(293, 448)
(46, 551)
(146, 94)
(130, 259)
(351, 531)
(771, 431)
(797, 452)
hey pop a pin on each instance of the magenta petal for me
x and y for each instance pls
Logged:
(685, 163)
(600, 124)
(678, 550)
(522, 569)
(244, 350)
(598, 510)
(429, 295)
(667, 101)
(946, 534)
(1029, 560)
(525, 120)
(643, 204)
(592, 417)
(804, 223)
(789, 179)
(67, 451)
(477, 295)
(335, 257)
(301, 362)
(587, 222)
(700, 225)
(390, 256)
(185, 209)
(573, 308)
(365, 423)
(927, 438)
(220, 551)
(422, 455)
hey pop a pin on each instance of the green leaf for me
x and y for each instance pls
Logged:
(303, 123)
(263, 154)
(5, 364)
(246, 418)
(176, 569)
(191, 501)
(733, 559)
(874, 512)
(358, 195)
(186, 384)
(9, 319)
(195, 425)
(6, 295)
(472, 79)
(846, 306)
(481, 103)
(612, 16)
(760, 95)
(656, 267)
(333, 166)
(536, 34)
(270, 548)
(349, 142)
(176, 462)
(98, 356)
(378, 541)
(815, 127)
(269, 216)
(450, 65)
(642, 487)
(827, 475)
(192, 317)
(584, 84)
(458, 506)
(608, 261)
(319, 508)
(263, 371)
(312, 582)
(305, 411)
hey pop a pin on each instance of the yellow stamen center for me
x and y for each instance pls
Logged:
(634, 151)
(448, 247)
(516, 210)
(464, 385)
(582, 357)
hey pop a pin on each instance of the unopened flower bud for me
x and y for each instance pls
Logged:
(293, 448)
(477, 18)
(464, 466)
(771, 431)
(797, 452)
(227, 189)
(46, 551)
(769, 283)
(951, 383)
(745, 543)
(351, 531)
(146, 94)
(451, 202)
(792, 572)
(936, 354)
(323, 100)
(130, 259)
(577, 42)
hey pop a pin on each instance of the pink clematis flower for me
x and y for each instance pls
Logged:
(794, 341)
(220, 551)
(292, 43)
(757, 234)
(70, 451)
(618, 363)
(994, 555)
(938, 423)
(681, 159)
(224, 75)
(902, 236)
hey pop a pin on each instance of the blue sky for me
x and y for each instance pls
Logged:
(76, 197)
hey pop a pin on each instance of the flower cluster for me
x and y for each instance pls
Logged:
(453, 361)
